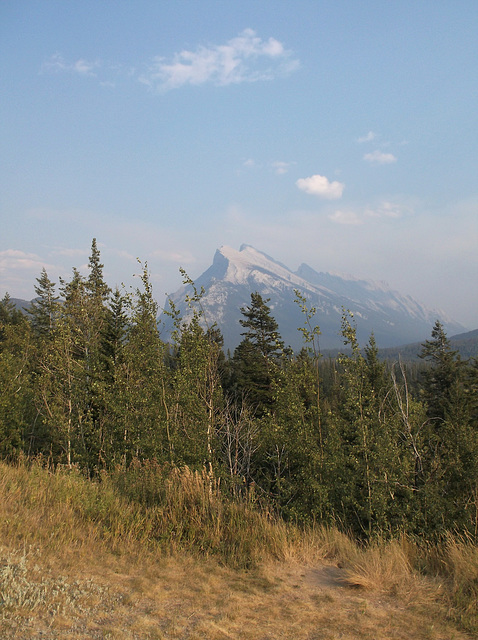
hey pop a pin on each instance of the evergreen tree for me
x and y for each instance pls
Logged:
(139, 402)
(96, 285)
(197, 383)
(444, 370)
(44, 310)
(114, 332)
(362, 462)
(311, 338)
(16, 407)
(451, 452)
(257, 357)
(262, 328)
(9, 315)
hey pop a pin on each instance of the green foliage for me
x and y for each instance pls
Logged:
(16, 414)
(44, 310)
(9, 315)
(256, 360)
(377, 448)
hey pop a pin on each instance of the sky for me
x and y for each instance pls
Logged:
(339, 133)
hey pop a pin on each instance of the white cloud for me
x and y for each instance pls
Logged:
(320, 186)
(246, 58)
(281, 167)
(345, 217)
(368, 138)
(14, 259)
(378, 157)
(58, 64)
(386, 210)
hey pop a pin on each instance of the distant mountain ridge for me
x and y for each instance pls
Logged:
(394, 319)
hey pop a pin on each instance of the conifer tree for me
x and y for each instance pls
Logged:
(311, 336)
(140, 403)
(197, 382)
(444, 370)
(9, 315)
(362, 462)
(44, 310)
(452, 451)
(16, 406)
(257, 357)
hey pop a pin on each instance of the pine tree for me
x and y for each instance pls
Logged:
(96, 285)
(139, 403)
(444, 370)
(452, 439)
(44, 310)
(362, 460)
(257, 358)
(9, 315)
(311, 336)
(197, 382)
(262, 328)
(16, 406)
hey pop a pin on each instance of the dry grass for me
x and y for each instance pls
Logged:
(65, 575)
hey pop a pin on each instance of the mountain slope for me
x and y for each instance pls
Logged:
(234, 275)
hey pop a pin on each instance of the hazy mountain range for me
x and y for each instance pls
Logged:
(395, 319)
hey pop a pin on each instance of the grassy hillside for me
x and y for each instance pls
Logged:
(151, 554)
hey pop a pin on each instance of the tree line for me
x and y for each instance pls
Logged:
(376, 448)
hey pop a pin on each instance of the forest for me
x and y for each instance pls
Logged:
(371, 447)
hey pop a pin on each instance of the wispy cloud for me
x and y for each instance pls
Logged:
(379, 157)
(245, 58)
(57, 64)
(13, 258)
(18, 270)
(346, 217)
(320, 186)
(367, 138)
(382, 210)
(282, 167)
(278, 167)
(386, 210)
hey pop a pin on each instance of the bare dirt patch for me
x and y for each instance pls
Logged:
(183, 598)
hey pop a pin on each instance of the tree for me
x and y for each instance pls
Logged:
(44, 311)
(138, 413)
(256, 358)
(450, 495)
(197, 382)
(16, 406)
(9, 315)
(445, 368)
(96, 285)
(311, 338)
(262, 328)
(362, 462)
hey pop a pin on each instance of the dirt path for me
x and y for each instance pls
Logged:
(187, 599)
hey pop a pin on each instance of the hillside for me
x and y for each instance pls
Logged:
(466, 344)
(75, 563)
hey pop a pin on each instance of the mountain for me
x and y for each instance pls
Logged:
(465, 343)
(394, 319)
(20, 304)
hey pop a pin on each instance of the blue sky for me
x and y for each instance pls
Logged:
(338, 133)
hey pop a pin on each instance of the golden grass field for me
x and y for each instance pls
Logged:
(75, 563)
